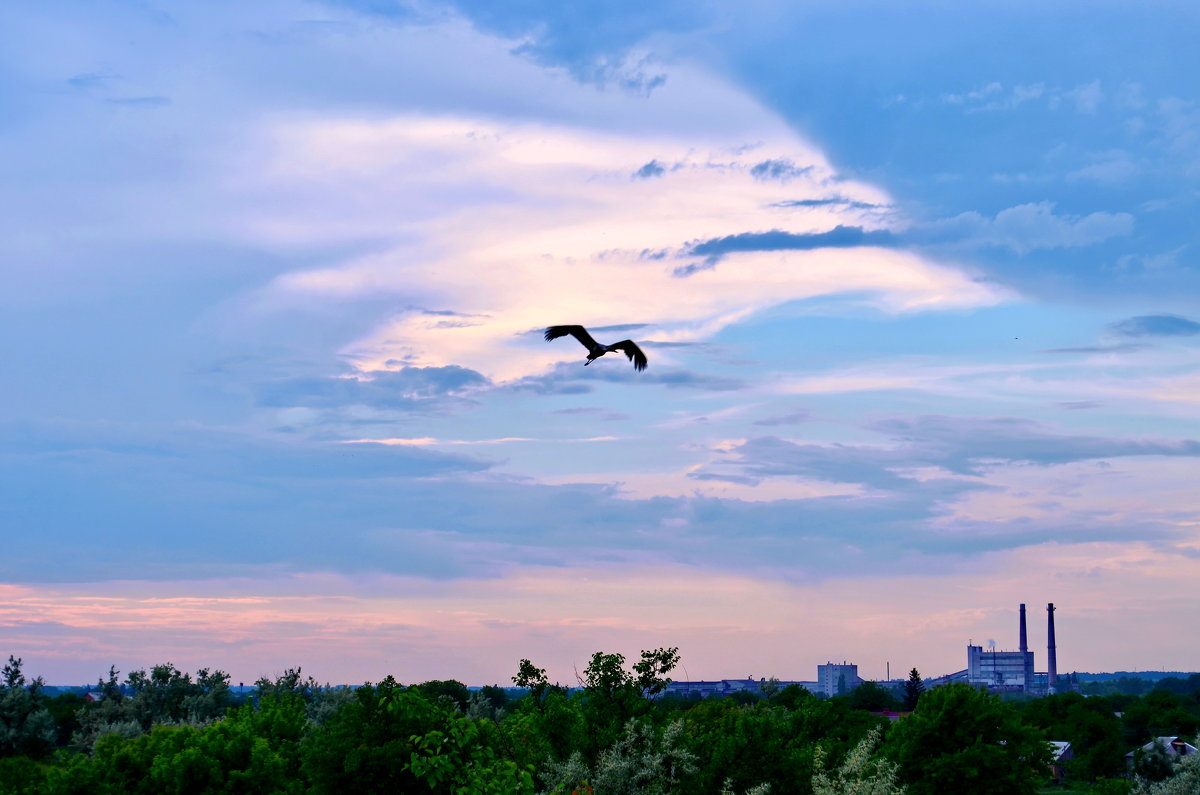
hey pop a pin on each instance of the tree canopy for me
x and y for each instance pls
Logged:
(163, 730)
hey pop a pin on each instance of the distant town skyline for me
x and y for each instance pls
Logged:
(917, 287)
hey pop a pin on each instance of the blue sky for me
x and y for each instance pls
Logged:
(917, 287)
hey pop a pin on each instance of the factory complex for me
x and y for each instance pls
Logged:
(998, 671)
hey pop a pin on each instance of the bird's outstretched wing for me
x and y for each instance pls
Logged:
(578, 332)
(632, 351)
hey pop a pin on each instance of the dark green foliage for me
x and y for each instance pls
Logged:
(744, 697)
(167, 695)
(254, 750)
(614, 696)
(1110, 786)
(1139, 686)
(1152, 764)
(164, 695)
(497, 697)
(453, 691)
(1180, 686)
(364, 745)
(913, 688)
(534, 679)
(291, 681)
(793, 697)
(1160, 713)
(728, 740)
(65, 709)
(457, 755)
(395, 739)
(872, 698)
(1089, 725)
(20, 775)
(26, 726)
(551, 730)
(651, 671)
(960, 739)
(297, 737)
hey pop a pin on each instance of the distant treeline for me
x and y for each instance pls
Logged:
(1153, 676)
(167, 731)
(1183, 685)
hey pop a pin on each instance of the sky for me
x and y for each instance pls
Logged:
(917, 283)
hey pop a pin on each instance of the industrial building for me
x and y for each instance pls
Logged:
(1010, 670)
(832, 679)
(996, 670)
(1002, 669)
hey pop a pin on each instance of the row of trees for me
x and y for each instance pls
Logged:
(163, 731)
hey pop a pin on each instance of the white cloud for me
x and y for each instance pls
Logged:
(429, 441)
(1093, 494)
(1087, 97)
(1026, 227)
(527, 225)
(994, 96)
(680, 483)
(1110, 168)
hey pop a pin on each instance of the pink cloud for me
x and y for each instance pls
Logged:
(1114, 599)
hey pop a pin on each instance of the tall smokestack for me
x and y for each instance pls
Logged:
(1052, 659)
(1026, 656)
(1024, 637)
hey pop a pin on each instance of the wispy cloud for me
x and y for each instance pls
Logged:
(1157, 326)
(795, 418)
(424, 441)
(140, 102)
(581, 251)
(1027, 227)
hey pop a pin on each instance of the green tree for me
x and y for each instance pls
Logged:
(643, 761)
(162, 695)
(861, 773)
(26, 726)
(20, 775)
(913, 689)
(495, 695)
(534, 679)
(254, 751)
(453, 691)
(1185, 779)
(487, 702)
(364, 746)
(872, 697)
(651, 671)
(769, 687)
(290, 681)
(158, 696)
(613, 696)
(1159, 713)
(960, 739)
(552, 730)
(770, 742)
(729, 742)
(111, 714)
(66, 708)
(1089, 725)
(794, 697)
(458, 755)
(209, 698)
(1153, 764)
(744, 697)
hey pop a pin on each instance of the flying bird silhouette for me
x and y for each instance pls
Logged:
(595, 349)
